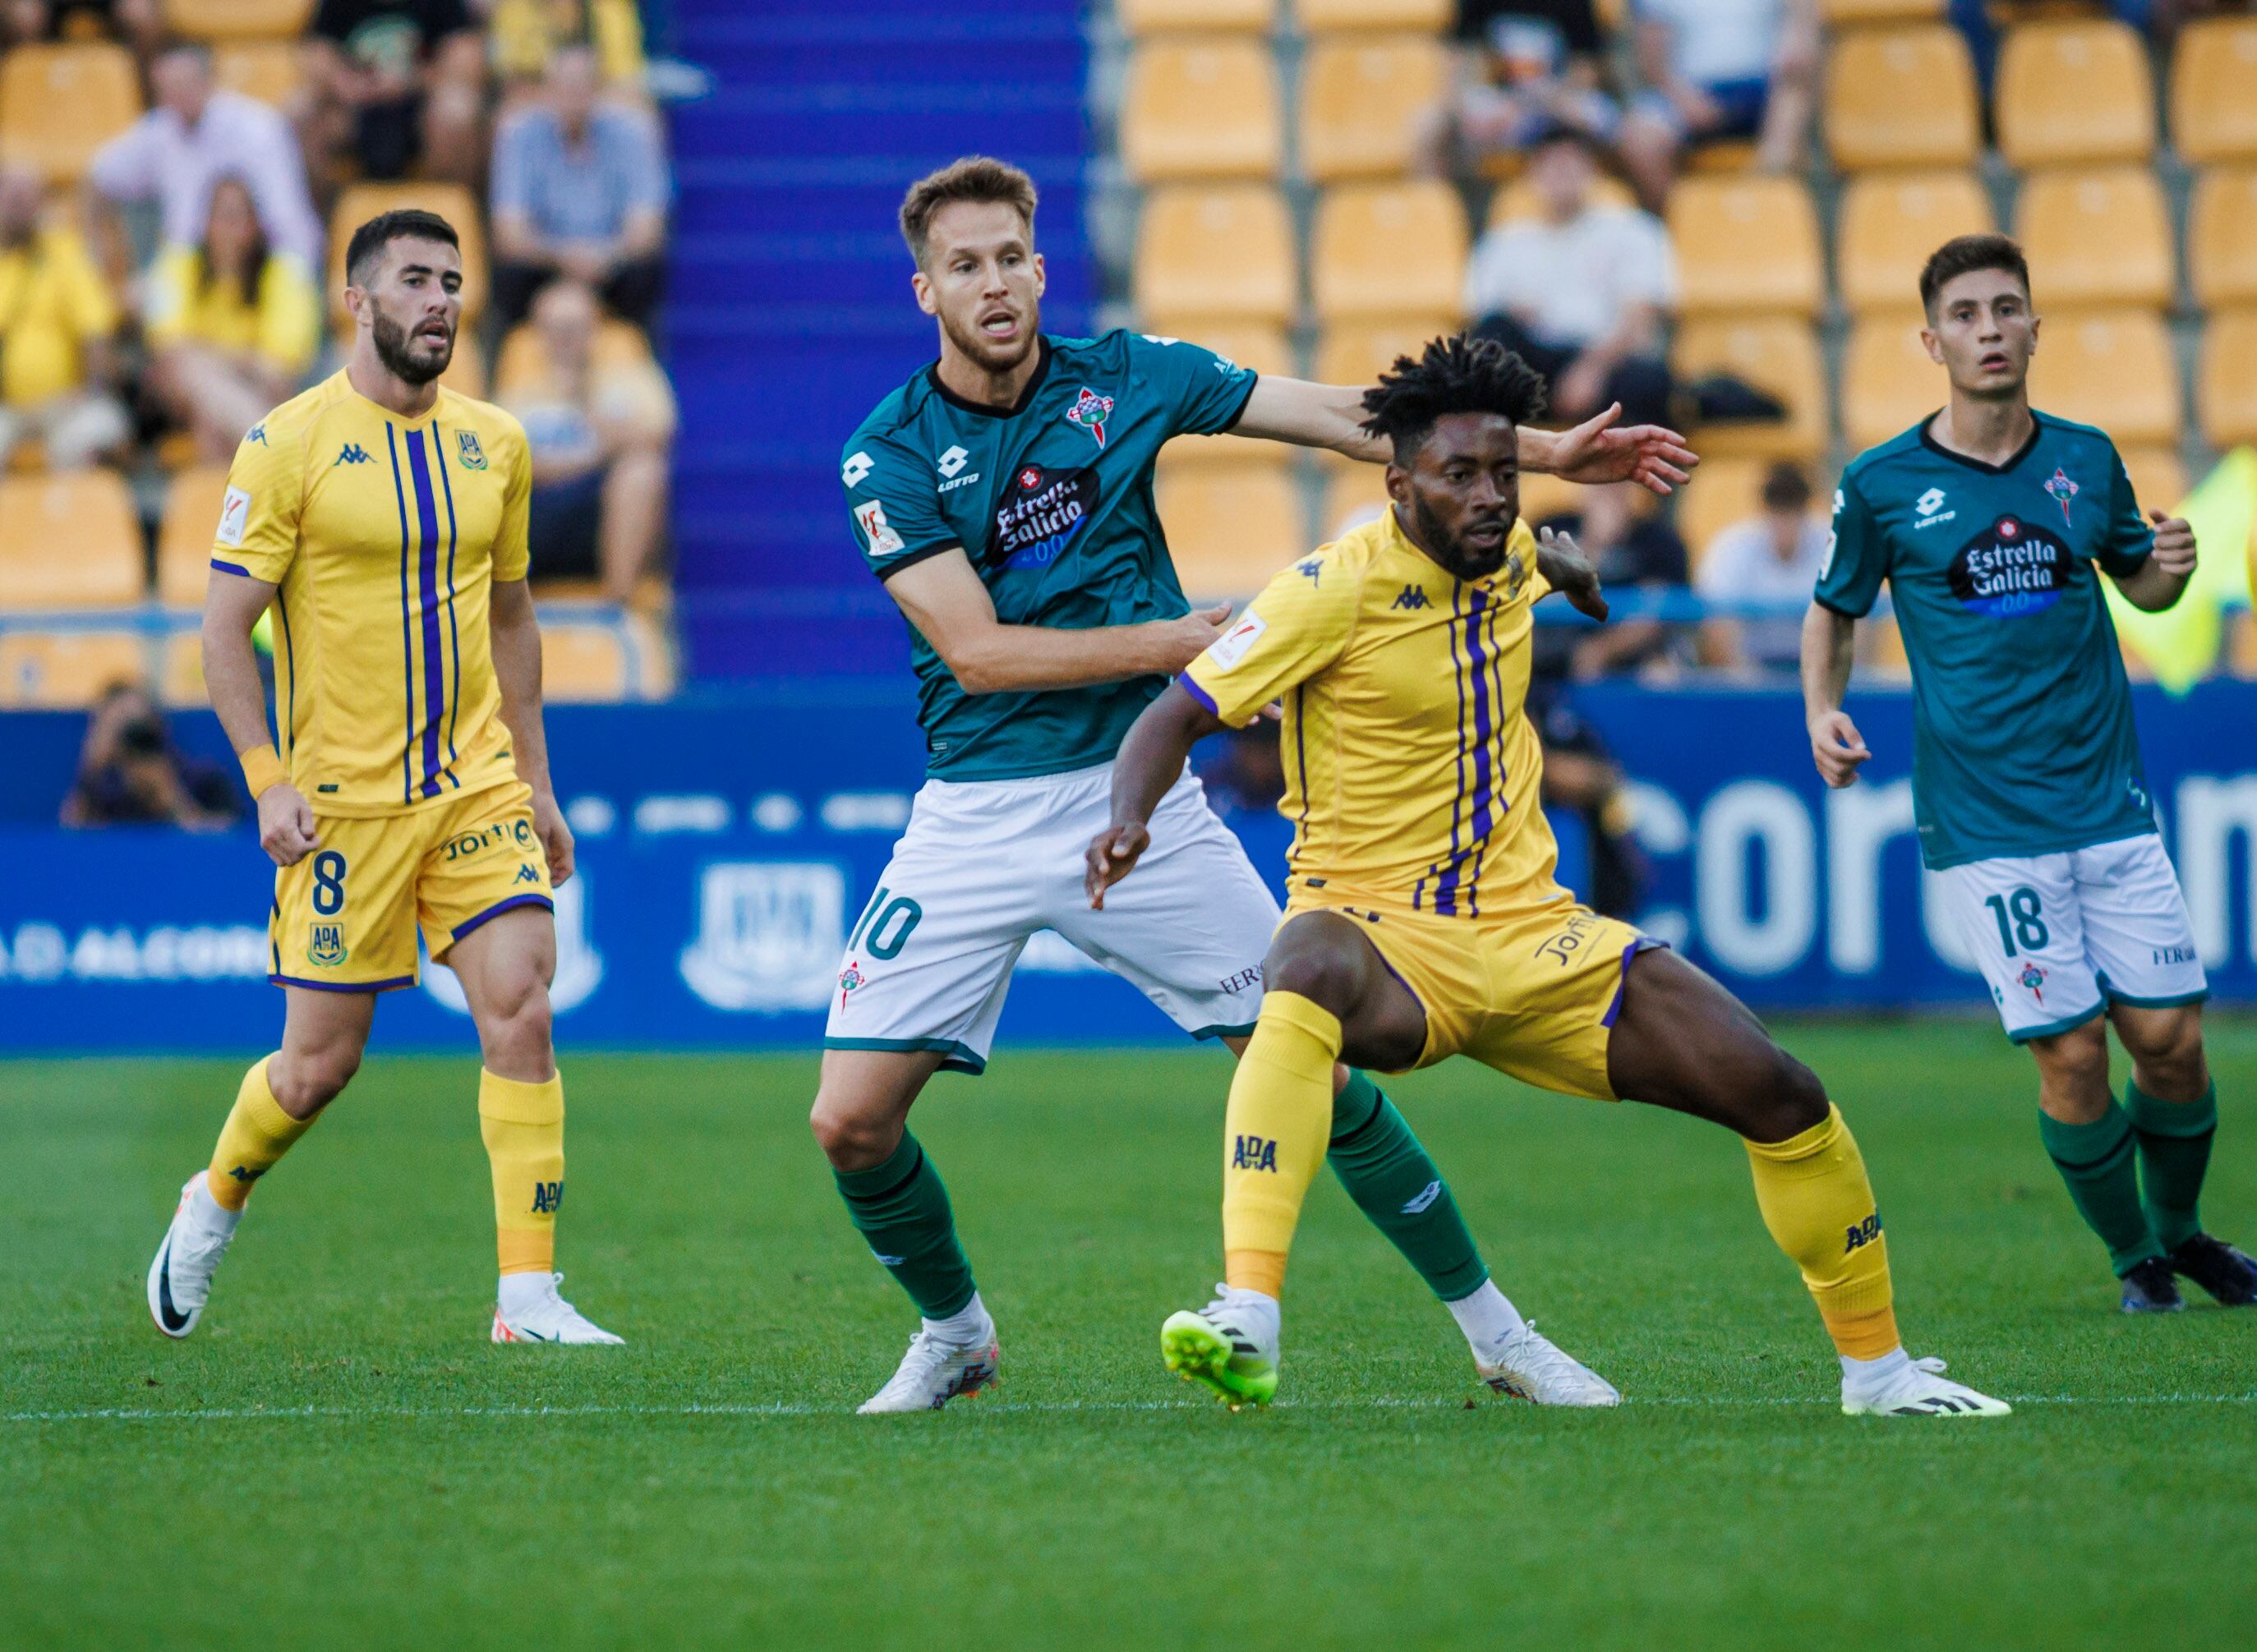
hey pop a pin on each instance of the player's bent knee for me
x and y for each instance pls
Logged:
(852, 1137)
(306, 1082)
(1323, 974)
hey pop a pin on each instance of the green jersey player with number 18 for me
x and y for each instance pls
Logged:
(1993, 524)
(1004, 496)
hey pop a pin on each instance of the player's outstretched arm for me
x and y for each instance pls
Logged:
(233, 604)
(945, 601)
(516, 635)
(1566, 570)
(1836, 746)
(2162, 580)
(1146, 766)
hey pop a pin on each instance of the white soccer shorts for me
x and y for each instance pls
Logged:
(2061, 937)
(986, 865)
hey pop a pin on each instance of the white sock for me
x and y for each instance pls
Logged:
(1866, 1375)
(969, 1324)
(519, 1291)
(208, 1212)
(1487, 1316)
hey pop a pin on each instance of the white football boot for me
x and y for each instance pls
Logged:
(1919, 1388)
(935, 1371)
(179, 1280)
(1523, 1365)
(1229, 1347)
(527, 1308)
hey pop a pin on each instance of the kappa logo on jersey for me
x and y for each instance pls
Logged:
(884, 541)
(325, 945)
(2063, 491)
(1411, 596)
(526, 874)
(256, 432)
(1038, 520)
(858, 465)
(1254, 1152)
(1929, 509)
(234, 517)
(1309, 570)
(1863, 1234)
(353, 453)
(2010, 569)
(1090, 411)
(2033, 979)
(1229, 648)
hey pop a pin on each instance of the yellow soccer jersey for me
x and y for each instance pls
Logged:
(385, 535)
(1411, 774)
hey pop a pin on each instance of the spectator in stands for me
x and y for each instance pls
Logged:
(1580, 291)
(197, 133)
(1519, 67)
(57, 362)
(1634, 550)
(130, 774)
(599, 417)
(527, 34)
(232, 326)
(1718, 70)
(1772, 558)
(396, 81)
(139, 24)
(580, 189)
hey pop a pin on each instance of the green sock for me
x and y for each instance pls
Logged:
(2174, 1140)
(2100, 1165)
(901, 1208)
(1389, 1174)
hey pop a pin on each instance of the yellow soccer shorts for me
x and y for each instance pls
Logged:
(346, 917)
(1531, 990)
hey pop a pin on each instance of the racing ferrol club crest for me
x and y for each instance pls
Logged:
(2064, 491)
(2033, 977)
(1090, 411)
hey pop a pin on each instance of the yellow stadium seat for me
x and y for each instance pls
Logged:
(1888, 382)
(2097, 237)
(60, 103)
(1361, 98)
(1901, 97)
(61, 669)
(2221, 237)
(1261, 345)
(1841, 12)
(1727, 156)
(180, 669)
(1745, 244)
(69, 540)
(583, 663)
(2074, 91)
(1201, 107)
(2226, 389)
(1140, 17)
(2159, 480)
(2213, 115)
(520, 361)
(1519, 199)
(1332, 17)
(1385, 250)
(1883, 651)
(268, 70)
(238, 19)
(2111, 368)
(1723, 492)
(1775, 353)
(360, 202)
(1222, 253)
(1891, 221)
(1230, 527)
(1357, 352)
(184, 534)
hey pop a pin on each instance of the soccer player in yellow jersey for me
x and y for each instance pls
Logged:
(1423, 921)
(383, 520)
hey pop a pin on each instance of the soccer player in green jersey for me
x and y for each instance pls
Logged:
(1993, 524)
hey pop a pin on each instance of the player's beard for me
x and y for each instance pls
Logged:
(395, 347)
(1447, 549)
(986, 354)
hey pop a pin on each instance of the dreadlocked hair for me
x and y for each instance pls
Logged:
(1454, 375)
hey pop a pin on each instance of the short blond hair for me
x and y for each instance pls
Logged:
(980, 178)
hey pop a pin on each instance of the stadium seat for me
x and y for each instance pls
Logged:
(2213, 116)
(184, 534)
(2159, 480)
(1775, 353)
(60, 103)
(2074, 91)
(1888, 382)
(1139, 18)
(1230, 527)
(63, 668)
(180, 669)
(1882, 654)
(1891, 221)
(1726, 490)
(1901, 97)
(359, 203)
(2226, 390)
(2221, 237)
(1257, 344)
(2097, 237)
(1519, 199)
(1201, 107)
(2241, 646)
(1388, 250)
(238, 19)
(1333, 17)
(268, 70)
(1361, 98)
(519, 362)
(1222, 253)
(1747, 244)
(1357, 352)
(71, 540)
(1841, 13)
(2114, 368)
(582, 662)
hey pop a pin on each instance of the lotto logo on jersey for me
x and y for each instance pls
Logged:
(1229, 648)
(858, 465)
(2010, 569)
(234, 517)
(1090, 411)
(1254, 1152)
(871, 518)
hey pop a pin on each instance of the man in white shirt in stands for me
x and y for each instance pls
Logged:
(1580, 290)
(1774, 557)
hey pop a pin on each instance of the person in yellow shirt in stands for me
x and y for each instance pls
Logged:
(232, 325)
(524, 35)
(56, 322)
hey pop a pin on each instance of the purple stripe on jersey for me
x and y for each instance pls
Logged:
(426, 575)
(406, 650)
(1301, 750)
(1198, 694)
(231, 568)
(1446, 888)
(454, 635)
(1493, 748)
(1484, 788)
(290, 675)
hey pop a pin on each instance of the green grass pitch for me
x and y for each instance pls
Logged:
(339, 1458)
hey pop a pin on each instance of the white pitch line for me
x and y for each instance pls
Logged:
(262, 1414)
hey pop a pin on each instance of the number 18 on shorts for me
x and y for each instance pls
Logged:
(2060, 937)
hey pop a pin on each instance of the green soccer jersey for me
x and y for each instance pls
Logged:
(2023, 740)
(1051, 500)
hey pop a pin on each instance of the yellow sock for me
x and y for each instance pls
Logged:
(523, 1125)
(1274, 1136)
(257, 1134)
(1819, 1206)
